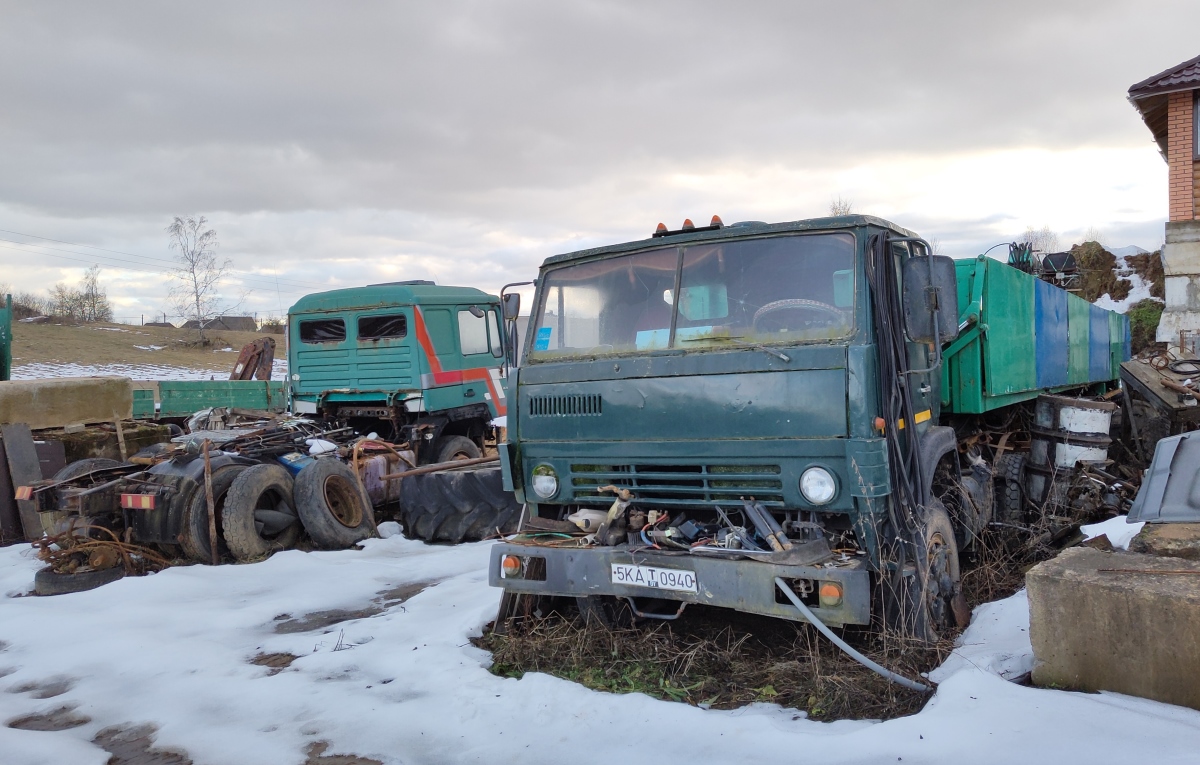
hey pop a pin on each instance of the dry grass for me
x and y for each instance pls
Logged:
(100, 344)
(721, 659)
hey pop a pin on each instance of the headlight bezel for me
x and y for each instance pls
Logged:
(549, 485)
(822, 493)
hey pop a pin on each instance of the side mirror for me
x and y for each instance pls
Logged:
(930, 299)
(511, 305)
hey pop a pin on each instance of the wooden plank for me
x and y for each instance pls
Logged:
(10, 517)
(24, 469)
(52, 455)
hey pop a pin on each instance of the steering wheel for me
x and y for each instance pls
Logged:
(835, 314)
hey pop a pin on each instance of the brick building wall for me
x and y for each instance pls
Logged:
(1181, 155)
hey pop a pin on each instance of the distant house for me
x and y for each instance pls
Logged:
(1168, 103)
(228, 323)
(159, 324)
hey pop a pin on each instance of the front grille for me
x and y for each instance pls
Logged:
(564, 406)
(680, 484)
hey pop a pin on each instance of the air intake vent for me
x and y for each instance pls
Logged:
(564, 406)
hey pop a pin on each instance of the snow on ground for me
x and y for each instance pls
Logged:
(1119, 530)
(1140, 289)
(173, 649)
(133, 371)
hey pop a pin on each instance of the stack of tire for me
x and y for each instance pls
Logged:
(457, 505)
(261, 509)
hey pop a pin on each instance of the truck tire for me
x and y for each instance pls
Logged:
(451, 448)
(457, 505)
(259, 518)
(194, 537)
(48, 582)
(1010, 493)
(936, 600)
(334, 508)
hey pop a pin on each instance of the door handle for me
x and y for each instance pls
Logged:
(469, 393)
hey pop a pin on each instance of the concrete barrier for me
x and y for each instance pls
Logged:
(55, 403)
(1134, 633)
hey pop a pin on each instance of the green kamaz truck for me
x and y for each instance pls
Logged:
(757, 415)
(414, 361)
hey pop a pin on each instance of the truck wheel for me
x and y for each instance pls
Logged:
(334, 508)
(258, 517)
(1010, 481)
(457, 505)
(48, 582)
(936, 599)
(452, 448)
(194, 537)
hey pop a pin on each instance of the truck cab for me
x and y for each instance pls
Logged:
(750, 416)
(412, 360)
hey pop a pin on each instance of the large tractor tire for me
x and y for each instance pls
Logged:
(333, 506)
(259, 517)
(194, 538)
(457, 505)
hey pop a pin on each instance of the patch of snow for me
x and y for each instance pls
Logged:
(149, 347)
(997, 641)
(226, 349)
(1118, 530)
(40, 371)
(408, 686)
(1140, 289)
(111, 329)
(389, 529)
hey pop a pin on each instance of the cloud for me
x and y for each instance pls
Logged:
(334, 144)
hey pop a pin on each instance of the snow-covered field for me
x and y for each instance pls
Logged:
(174, 650)
(133, 371)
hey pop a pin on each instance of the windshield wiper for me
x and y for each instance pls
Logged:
(738, 341)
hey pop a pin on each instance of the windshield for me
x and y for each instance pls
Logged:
(760, 291)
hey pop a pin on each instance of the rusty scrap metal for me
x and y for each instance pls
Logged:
(440, 466)
(74, 549)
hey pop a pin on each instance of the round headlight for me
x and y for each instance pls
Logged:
(817, 485)
(545, 481)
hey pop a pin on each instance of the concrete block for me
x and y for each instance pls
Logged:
(1133, 633)
(1172, 540)
(64, 401)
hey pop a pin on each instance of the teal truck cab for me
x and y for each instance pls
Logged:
(736, 410)
(412, 360)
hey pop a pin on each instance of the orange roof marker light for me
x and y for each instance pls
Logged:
(689, 228)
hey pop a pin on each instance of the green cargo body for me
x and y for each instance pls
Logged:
(1023, 337)
(5, 337)
(183, 398)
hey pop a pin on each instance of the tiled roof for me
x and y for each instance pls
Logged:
(1185, 76)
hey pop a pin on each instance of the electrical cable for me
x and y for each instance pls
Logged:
(863, 660)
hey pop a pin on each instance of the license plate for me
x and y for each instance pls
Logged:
(654, 577)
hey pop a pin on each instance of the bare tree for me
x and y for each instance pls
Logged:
(841, 206)
(196, 293)
(1043, 239)
(93, 298)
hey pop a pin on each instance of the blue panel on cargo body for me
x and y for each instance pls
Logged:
(1050, 320)
(1099, 358)
(1128, 338)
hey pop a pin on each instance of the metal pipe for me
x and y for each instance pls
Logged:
(775, 527)
(754, 513)
(863, 660)
(439, 466)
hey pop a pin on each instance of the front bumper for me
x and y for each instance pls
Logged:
(743, 585)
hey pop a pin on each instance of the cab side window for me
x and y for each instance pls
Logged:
(472, 332)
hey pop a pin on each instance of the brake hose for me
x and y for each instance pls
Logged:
(853, 654)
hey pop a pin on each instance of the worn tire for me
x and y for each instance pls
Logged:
(194, 537)
(451, 448)
(457, 505)
(47, 582)
(258, 503)
(938, 577)
(333, 506)
(1010, 493)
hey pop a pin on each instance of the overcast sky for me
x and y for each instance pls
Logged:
(336, 144)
